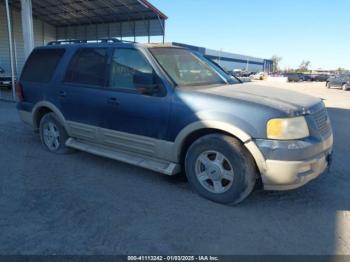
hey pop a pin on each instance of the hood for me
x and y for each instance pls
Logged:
(290, 102)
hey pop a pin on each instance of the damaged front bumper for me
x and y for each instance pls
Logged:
(291, 164)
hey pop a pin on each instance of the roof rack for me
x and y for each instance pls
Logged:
(86, 41)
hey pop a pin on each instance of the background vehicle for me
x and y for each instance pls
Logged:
(259, 76)
(168, 109)
(297, 77)
(241, 73)
(319, 77)
(342, 81)
(5, 79)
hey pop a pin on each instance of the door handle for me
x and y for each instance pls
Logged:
(113, 101)
(62, 94)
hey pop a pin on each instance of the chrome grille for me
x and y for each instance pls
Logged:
(322, 122)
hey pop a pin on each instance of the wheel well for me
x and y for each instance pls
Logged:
(39, 115)
(206, 131)
(196, 135)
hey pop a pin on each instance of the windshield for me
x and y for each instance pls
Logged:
(187, 69)
(229, 78)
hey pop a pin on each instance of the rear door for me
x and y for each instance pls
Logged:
(82, 92)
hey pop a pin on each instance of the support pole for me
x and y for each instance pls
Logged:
(149, 30)
(9, 29)
(162, 26)
(27, 26)
(134, 32)
(121, 30)
(163, 32)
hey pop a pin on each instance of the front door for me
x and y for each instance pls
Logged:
(135, 120)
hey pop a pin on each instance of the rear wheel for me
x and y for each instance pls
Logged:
(53, 134)
(328, 85)
(220, 169)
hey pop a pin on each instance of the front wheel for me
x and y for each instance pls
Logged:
(328, 85)
(220, 169)
(344, 87)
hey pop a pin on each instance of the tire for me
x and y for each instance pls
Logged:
(328, 85)
(53, 135)
(205, 172)
(344, 87)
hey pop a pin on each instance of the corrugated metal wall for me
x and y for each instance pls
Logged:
(249, 63)
(231, 61)
(233, 56)
(43, 33)
(4, 49)
(124, 29)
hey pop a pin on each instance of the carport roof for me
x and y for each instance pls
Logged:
(61, 13)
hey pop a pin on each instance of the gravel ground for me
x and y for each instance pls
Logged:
(83, 204)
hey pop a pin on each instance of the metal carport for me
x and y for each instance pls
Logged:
(49, 20)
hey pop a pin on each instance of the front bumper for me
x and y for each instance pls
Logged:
(289, 165)
(286, 175)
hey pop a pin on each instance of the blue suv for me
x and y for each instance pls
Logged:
(169, 109)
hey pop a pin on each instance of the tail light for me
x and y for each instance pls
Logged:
(19, 91)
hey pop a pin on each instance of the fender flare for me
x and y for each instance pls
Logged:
(228, 128)
(50, 106)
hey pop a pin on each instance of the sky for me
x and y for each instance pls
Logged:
(296, 30)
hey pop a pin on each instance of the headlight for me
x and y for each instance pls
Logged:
(287, 128)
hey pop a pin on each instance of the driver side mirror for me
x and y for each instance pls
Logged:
(146, 84)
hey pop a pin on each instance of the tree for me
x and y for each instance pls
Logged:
(304, 66)
(276, 61)
(341, 70)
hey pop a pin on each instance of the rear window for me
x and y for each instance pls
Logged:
(41, 65)
(88, 67)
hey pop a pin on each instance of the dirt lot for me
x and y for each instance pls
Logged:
(83, 204)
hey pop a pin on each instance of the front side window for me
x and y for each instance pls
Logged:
(41, 65)
(88, 67)
(126, 64)
(185, 68)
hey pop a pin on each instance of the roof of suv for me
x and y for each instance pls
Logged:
(105, 42)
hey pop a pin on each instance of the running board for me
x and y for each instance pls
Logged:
(164, 167)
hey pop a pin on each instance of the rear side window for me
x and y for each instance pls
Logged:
(41, 65)
(88, 67)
